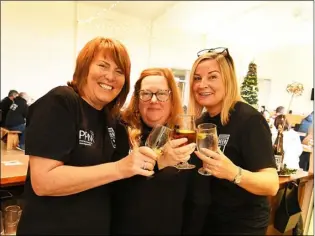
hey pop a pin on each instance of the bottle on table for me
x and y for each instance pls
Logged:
(278, 148)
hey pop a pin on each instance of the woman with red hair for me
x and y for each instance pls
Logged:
(154, 206)
(70, 140)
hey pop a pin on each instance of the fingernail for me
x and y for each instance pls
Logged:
(193, 145)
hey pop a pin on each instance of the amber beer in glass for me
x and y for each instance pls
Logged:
(185, 128)
(184, 133)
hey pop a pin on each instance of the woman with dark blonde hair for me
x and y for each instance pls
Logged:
(70, 140)
(153, 206)
(243, 168)
(292, 145)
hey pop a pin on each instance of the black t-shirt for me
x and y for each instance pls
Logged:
(63, 127)
(156, 205)
(246, 141)
(5, 107)
(17, 113)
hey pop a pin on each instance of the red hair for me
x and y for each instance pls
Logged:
(111, 48)
(131, 114)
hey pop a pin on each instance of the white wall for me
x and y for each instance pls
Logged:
(174, 49)
(282, 65)
(150, 44)
(132, 32)
(40, 41)
(37, 50)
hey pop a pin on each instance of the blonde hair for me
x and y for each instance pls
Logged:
(232, 94)
(131, 114)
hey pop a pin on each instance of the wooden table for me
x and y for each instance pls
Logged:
(13, 174)
(306, 187)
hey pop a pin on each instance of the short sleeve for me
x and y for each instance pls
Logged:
(256, 145)
(51, 127)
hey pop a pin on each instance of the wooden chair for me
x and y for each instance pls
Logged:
(12, 137)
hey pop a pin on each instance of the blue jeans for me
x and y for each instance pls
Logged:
(20, 128)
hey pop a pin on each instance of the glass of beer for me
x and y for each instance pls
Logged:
(185, 128)
(206, 138)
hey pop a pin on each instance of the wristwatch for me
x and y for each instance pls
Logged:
(237, 179)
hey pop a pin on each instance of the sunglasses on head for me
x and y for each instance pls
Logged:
(219, 50)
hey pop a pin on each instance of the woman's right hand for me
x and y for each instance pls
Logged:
(140, 161)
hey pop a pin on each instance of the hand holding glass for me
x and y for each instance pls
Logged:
(158, 138)
(185, 128)
(206, 138)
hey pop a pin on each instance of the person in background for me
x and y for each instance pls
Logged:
(279, 111)
(271, 120)
(153, 206)
(309, 138)
(5, 105)
(265, 113)
(306, 123)
(291, 143)
(70, 140)
(243, 167)
(262, 109)
(30, 101)
(16, 117)
(306, 159)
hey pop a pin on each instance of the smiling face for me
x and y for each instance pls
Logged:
(154, 112)
(208, 87)
(104, 81)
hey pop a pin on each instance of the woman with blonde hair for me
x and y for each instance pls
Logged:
(153, 206)
(292, 145)
(243, 168)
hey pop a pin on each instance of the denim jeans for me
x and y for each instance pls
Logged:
(21, 135)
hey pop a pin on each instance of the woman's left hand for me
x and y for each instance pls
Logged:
(174, 153)
(218, 164)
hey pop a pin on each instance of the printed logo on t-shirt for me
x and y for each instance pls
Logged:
(223, 140)
(13, 107)
(86, 138)
(111, 133)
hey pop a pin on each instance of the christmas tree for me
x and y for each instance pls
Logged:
(249, 88)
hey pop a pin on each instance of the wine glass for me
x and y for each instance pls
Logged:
(185, 128)
(157, 138)
(206, 138)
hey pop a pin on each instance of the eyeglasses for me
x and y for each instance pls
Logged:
(161, 95)
(219, 50)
